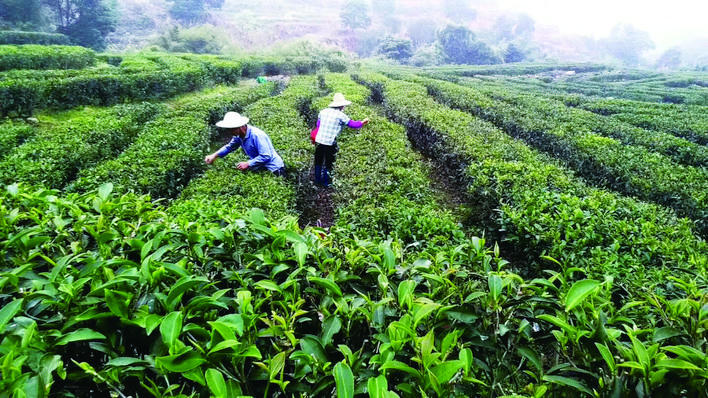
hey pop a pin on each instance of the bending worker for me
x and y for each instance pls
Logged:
(255, 143)
(330, 123)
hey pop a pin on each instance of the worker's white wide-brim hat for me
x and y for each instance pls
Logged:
(232, 120)
(338, 101)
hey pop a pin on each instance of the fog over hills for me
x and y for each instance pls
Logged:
(634, 33)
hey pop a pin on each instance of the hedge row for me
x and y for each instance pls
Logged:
(382, 187)
(73, 141)
(45, 57)
(42, 38)
(536, 205)
(224, 191)
(686, 121)
(263, 65)
(100, 87)
(148, 76)
(554, 108)
(605, 161)
(517, 69)
(170, 150)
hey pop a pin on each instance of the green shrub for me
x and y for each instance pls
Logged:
(224, 191)
(120, 299)
(534, 203)
(570, 136)
(45, 57)
(41, 38)
(73, 141)
(170, 150)
(13, 134)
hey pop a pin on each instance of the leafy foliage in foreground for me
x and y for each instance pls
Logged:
(98, 292)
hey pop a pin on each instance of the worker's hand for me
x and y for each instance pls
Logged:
(365, 122)
(242, 166)
(209, 159)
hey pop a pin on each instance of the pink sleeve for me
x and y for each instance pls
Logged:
(355, 124)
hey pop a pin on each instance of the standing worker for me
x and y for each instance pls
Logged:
(255, 143)
(330, 123)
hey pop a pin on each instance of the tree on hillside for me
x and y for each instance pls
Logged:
(459, 10)
(191, 12)
(628, 43)
(399, 49)
(460, 46)
(355, 14)
(87, 22)
(422, 31)
(513, 53)
(670, 59)
(27, 13)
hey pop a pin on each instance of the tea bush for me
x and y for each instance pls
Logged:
(13, 134)
(170, 150)
(535, 203)
(45, 57)
(224, 191)
(628, 169)
(74, 141)
(111, 298)
(18, 37)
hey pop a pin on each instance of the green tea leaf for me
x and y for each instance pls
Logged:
(676, 364)
(495, 287)
(301, 252)
(216, 383)
(105, 190)
(405, 293)
(311, 346)
(607, 356)
(181, 287)
(579, 291)
(331, 326)
(344, 380)
(378, 387)
(567, 381)
(275, 366)
(327, 284)
(171, 327)
(396, 365)
(533, 358)
(180, 363)
(9, 311)
(447, 370)
(80, 335)
(117, 304)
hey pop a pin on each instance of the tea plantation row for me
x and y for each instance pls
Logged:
(103, 292)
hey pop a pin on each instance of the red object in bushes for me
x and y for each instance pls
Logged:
(313, 134)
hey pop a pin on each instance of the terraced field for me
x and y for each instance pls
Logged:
(486, 235)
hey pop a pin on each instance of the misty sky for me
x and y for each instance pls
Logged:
(668, 21)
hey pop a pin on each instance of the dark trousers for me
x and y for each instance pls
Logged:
(325, 156)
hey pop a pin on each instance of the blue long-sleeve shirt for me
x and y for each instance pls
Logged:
(258, 147)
